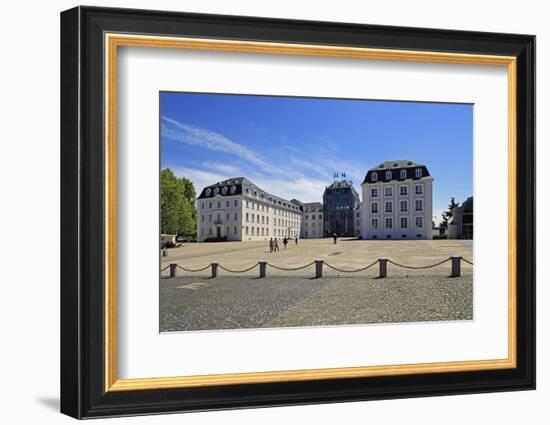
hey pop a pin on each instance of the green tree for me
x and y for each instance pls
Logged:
(177, 204)
(446, 215)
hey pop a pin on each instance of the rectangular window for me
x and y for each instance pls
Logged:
(404, 205)
(218, 217)
(227, 218)
(404, 222)
(388, 191)
(227, 231)
(235, 230)
(374, 223)
(388, 175)
(252, 230)
(389, 223)
(235, 203)
(267, 220)
(202, 205)
(202, 218)
(202, 231)
(219, 204)
(403, 190)
(252, 218)
(235, 216)
(418, 172)
(246, 230)
(227, 204)
(418, 222)
(388, 207)
(403, 174)
(210, 205)
(374, 192)
(419, 189)
(418, 205)
(374, 176)
(246, 217)
(374, 207)
(210, 218)
(246, 204)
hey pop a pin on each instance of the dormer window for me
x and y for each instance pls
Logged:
(403, 174)
(388, 175)
(216, 191)
(418, 172)
(207, 193)
(374, 176)
(224, 190)
(233, 189)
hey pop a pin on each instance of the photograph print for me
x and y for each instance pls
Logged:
(281, 212)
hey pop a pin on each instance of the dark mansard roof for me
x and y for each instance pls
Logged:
(395, 167)
(243, 186)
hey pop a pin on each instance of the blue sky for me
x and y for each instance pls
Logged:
(291, 147)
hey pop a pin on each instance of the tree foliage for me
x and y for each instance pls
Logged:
(446, 215)
(177, 204)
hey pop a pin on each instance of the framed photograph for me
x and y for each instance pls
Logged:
(261, 212)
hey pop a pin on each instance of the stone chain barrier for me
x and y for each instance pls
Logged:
(351, 271)
(382, 262)
(238, 271)
(290, 269)
(403, 266)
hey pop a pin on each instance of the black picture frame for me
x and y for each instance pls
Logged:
(82, 218)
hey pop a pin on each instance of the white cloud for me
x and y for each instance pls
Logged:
(301, 188)
(233, 170)
(198, 136)
(316, 167)
(200, 178)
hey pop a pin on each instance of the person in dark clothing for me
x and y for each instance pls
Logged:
(334, 237)
(296, 240)
(285, 241)
(271, 245)
(275, 245)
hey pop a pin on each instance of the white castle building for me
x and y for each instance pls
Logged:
(312, 223)
(238, 210)
(397, 202)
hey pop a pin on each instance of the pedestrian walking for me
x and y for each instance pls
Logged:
(275, 245)
(334, 237)
(296, 240)
(271, 245)
(285, 241)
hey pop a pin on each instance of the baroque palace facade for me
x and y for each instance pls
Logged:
(238, 210)
(312, 222)
(397, 202)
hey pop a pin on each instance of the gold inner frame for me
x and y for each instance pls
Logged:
(113, 41)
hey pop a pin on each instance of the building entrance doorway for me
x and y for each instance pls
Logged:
(218, 232)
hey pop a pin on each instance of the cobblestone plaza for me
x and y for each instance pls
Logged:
(196, 301)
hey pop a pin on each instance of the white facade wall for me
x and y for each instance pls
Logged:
(417, 222)
(245, 218)
(312, 224)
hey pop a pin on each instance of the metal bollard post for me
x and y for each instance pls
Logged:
(214, 270)
(318, 268)
(455, 266)
(383, 263)
(164, 253)
(263, 267)
(173, 270)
